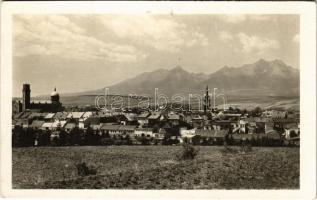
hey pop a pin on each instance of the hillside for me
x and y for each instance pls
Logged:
(268, 84)
(262, 78)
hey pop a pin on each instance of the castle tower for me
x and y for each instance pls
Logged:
(26, 95)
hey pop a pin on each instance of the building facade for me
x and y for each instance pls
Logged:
(54, 105)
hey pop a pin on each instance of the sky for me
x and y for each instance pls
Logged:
(76, 53)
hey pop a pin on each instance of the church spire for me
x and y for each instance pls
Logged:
(206, 100)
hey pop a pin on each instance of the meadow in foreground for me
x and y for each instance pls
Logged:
(156, 167)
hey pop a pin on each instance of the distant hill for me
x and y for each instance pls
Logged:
(273, 78)
(262, 78)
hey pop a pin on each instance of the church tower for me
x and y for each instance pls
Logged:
(26, 97)
(55, 96)
(56, 105)
(206, 101)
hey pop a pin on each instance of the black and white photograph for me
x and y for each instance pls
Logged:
(157, 101)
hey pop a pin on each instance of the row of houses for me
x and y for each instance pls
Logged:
(143, 119)
(200, 136)
(247, 128)
(156, 124)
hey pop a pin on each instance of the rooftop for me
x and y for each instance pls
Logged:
(49, 116)
(58, 124)
(144, 129)
(37, 124)
(117, 127)
(154, 115)
(75, 115)
(60, 115)
(70, 125)
(173, 116)
(47, 125)
(143, 115)
(211, 133)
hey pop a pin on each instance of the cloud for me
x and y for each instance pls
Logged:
(57, 35)
(296, 38)
(259, 17)
(239, 18)
(257, 44)
(163, 34)
(225, 36)
(233, 18)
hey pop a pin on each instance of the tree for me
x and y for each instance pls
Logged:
(227, 140)
(257, 111)
(106, 135)
(292, 134)
(188, 152)
(165, 140)
(75, 136)
(89, 137)
(17, 135)
(237, 110)
(27, 138)
(62, 137)
(230, 129)
(44, 138)
(144, 140)
(128, 140)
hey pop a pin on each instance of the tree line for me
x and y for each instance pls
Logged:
(22, 137)
(37, 137)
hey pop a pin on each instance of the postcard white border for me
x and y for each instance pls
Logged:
(307, 12)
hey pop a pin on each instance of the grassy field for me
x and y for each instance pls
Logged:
(156, 167)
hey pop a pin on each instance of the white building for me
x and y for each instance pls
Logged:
(144, 132)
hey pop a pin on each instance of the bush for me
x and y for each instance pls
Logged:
(55, 141)
(118, 142)
(23, 137)
(249, 147)
(246, 146)
(107, 141)
(44, 138)
(229, 150)
(84, 170)
(143, 140)
(188, 152)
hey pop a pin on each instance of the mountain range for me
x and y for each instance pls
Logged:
(262, 78)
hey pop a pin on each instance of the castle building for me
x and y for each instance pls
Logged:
(54, 105)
